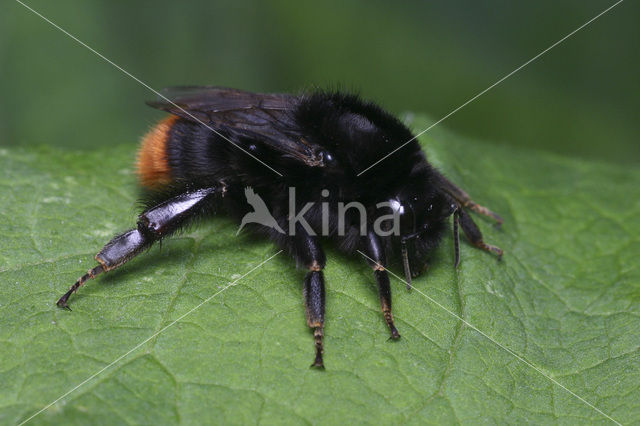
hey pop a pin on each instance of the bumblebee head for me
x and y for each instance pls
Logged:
(423, 211)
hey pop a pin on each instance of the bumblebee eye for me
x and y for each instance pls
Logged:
(396, 206)
(327, 157)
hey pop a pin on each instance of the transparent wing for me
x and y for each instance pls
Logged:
(264, 118)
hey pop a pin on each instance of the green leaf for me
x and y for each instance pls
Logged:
(565, 298)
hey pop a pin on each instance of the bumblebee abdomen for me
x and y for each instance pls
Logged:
(153, 165)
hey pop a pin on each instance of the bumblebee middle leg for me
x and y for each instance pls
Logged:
(153, 225)
(308, 252)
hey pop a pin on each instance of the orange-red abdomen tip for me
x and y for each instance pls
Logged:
(153, 158)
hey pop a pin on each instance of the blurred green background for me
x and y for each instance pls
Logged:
(580, 99)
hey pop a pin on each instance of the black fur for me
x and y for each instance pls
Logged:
(356, 134)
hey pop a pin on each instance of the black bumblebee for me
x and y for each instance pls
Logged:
(219, 146)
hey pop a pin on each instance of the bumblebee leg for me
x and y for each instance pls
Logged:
(314, 299)
(309, 253)
(473, 233)
(153, 225)
(464, 199)
(373, 249)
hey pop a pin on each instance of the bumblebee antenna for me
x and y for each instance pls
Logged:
(405, 262)
(456, 237)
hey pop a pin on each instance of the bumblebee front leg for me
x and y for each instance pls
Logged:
(463, 199)
(153, 225)
(375, 252)
(309, 253)
(472, 233)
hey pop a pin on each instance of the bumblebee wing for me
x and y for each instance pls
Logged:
(262, 117)
(207, 100)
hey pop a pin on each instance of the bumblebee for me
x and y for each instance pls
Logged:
(237, 152)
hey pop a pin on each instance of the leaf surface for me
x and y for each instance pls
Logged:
(565, 297)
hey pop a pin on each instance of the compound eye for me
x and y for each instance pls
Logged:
(396, 206)
(328, 158)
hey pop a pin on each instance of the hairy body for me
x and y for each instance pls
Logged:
(203, 159)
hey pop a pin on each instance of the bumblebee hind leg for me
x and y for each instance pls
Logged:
(153, 225)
